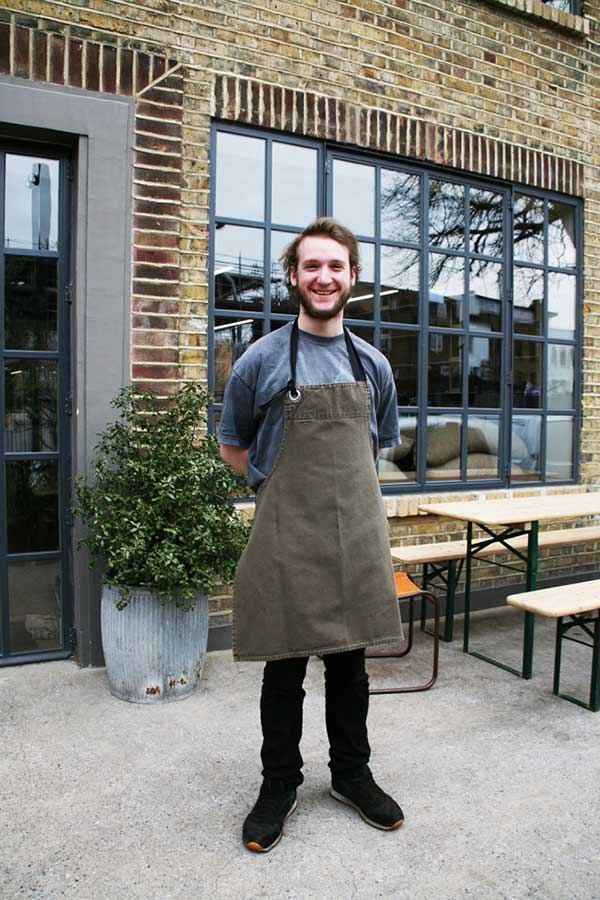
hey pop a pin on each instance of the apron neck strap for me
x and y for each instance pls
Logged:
(358, 370)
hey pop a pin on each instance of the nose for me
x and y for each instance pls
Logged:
(324, 276)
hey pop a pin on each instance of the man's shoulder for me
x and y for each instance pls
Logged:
(269, 348)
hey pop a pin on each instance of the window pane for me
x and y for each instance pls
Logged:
(529, 228)
(240, 177)
(367, 334)
(525, 448)
(281, 302)
(445, 370)
(399, 463)
(294, 180)
(528, 303)
(446, 290)
(34, 599)
(232, 337)
(31, 213)
(485, 371)
(561, 234)
(527, 374)
(31, 414)
(30, 303)
(400, 278)
(559, 448)
(239, 274)
(446, 214)
(402, 351)
(486, 209)
(561, 376)
(485, 295)
(561, 305)
(400, 207)
(483, 443)
(32, 506)
(362, 302)
(444, 435)
(354, 196)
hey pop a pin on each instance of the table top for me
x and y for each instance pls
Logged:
(519, 510)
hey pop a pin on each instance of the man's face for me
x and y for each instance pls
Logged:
(323, 278)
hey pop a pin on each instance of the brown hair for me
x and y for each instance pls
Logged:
(324, 227)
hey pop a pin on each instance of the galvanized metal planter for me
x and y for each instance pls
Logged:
(154, 651)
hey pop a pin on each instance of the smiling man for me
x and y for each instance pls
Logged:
(306, 410)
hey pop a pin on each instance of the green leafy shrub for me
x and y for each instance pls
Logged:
(159, 507)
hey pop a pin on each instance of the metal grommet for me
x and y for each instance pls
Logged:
(295, 397)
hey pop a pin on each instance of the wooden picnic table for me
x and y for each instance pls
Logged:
(502, 520)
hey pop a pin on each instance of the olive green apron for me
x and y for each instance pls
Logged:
(316, 575)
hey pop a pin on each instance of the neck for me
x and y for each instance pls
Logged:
(321, 327)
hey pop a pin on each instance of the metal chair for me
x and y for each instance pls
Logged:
(408, 590)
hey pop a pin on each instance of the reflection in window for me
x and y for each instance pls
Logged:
(485, 295)
(281, 302)
(561, 305)
(561, 235)
(354, 196)
(240, 177)
(487, 214)
(485, 369)
(362, 302)
(525, 450)
(294, 186)
(529, 229)
(446, 214)
(34, 601)
(402, 351)
(232, 337)
(239, 271)
(527, 376)
(528, 301)
(31, 413)
(446, 290)
(32, 506)
(400, 285)
(445, 370)
(30, 314)
(31, 198)
(561, 376)
(400, 463)
(444, 436)
(559, 448)
(400, 207)
(483, 447)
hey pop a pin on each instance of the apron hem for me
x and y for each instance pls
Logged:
(318, 651)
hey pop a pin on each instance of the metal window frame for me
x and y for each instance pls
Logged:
(330, 151)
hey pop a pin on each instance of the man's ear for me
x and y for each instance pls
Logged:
(293, 277)
(353, 274)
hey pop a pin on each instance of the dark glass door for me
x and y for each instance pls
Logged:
(35, 600)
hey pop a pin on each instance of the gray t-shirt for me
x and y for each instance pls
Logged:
(252, 413)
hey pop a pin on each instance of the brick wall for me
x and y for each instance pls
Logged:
(509, 88)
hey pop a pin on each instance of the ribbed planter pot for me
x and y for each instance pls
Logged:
(154, 652)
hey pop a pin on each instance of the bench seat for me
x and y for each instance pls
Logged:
(565, 600)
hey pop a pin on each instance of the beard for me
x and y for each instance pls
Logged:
(322, 314)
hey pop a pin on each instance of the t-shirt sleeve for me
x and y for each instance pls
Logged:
(237, 427)
(388, 424)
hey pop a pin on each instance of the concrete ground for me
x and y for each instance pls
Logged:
(101, 799)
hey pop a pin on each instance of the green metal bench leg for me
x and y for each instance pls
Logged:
(423, 602)
(528, 632)
(595, 685)
(467, 620)
(450, 598)
(557, 656)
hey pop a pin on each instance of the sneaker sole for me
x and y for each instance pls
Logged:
(257, 848)
(348, 802)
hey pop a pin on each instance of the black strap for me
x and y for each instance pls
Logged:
(358, 370)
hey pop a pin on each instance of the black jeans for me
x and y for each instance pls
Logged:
(346, 708)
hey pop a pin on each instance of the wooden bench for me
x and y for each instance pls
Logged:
(579, 604)
(442, 557)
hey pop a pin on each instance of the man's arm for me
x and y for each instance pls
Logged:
(236, 457)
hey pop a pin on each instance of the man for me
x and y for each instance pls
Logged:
(306, 409)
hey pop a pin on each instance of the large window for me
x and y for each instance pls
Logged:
(469, 288)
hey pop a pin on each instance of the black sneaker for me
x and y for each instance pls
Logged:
(264, 824)
(366, 797)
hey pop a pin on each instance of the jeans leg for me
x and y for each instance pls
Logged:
(346, 709)
(281, 719)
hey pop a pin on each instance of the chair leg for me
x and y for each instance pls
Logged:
(427, 595)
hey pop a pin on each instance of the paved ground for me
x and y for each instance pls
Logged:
(101, 799)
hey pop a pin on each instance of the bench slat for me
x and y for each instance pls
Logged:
(444, 551)
(565, 600)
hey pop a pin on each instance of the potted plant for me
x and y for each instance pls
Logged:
(159, 514)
